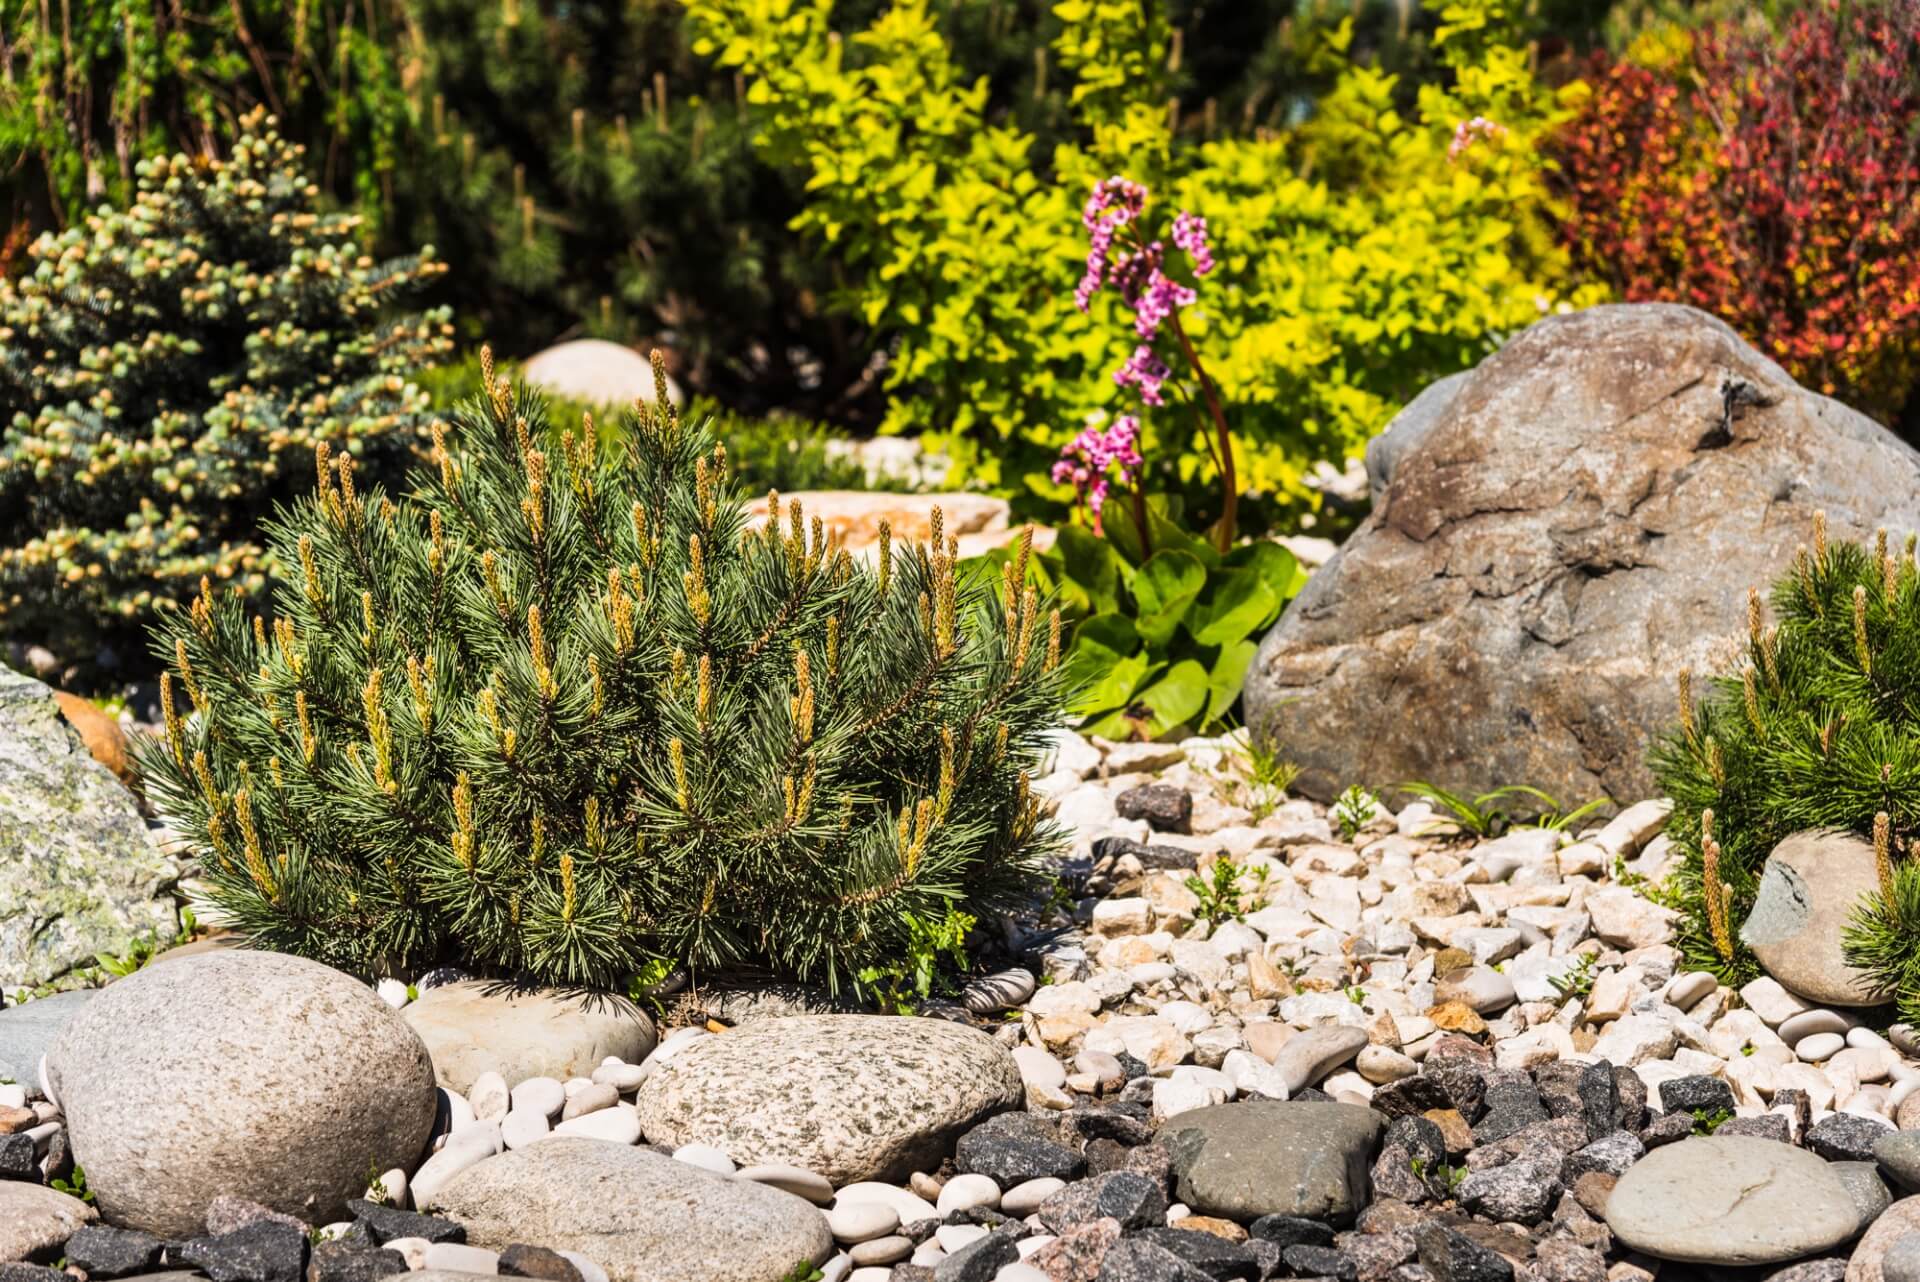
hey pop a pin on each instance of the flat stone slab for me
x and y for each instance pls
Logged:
(852, 1097)
(640, 1215)
(1731, 1200)
(478, 1026)
(1266, 1157)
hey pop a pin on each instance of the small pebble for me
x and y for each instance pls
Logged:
(704, 1156)
(861, 1222)
(965, 1192)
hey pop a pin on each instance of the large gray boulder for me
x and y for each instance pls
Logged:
(267, 1077)
(78, 875)
(1568, 528)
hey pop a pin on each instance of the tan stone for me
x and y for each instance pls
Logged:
(1212, 1224)
(102, 734)
(979, 521)
(1457, 1017)
(1267, 1037)
(1265, 980)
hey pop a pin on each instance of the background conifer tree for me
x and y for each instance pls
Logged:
(165, 372)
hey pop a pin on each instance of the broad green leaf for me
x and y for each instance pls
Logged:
(1102, 679)
(1110, 635)
(1164, 588)
(1090, 565)
(1228, 675)
(1176, 697)
(1238, 604)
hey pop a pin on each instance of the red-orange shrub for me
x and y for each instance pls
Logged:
(1774, 180)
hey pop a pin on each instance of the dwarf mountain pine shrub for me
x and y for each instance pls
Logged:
(560, 716)
(1817, 726)
(165, 371)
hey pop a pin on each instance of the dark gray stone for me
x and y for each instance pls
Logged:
(1164, 807)
(1451, 1256)
(1845, 1137)
(1139, 1260)
(1610, 1153)
(1571, 510)
(1698, 1093)
(389, 1222)
(1667, 1128)
(1510, 1106)
(1320, 1262)
(1521, 1192)
(1152, 858)
(979, 1260)
(261, 1252)
(1134, 1200)
(17, 1158)
(1264, 1157)
(1015, 1147)
(350, 1262)
(1767, 1126)
(14, 1272)
(1290, 1230)
(1210, 1253)
(113, 1253)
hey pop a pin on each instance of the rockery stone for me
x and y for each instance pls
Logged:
(902, 1091)
(254, 1074)
(1581, 502)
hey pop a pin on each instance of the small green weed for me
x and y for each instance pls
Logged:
(75, 1186)
(1706, 1121)
(1357, 995)
(805, 1271)
(1353, 811)
(899, 987)
(1219, 892)
(1265, 776)
(1490, 813)
(1578, 982)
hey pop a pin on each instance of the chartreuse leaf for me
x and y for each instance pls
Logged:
(1105, 663)
(1163, 589)
(1091, 568)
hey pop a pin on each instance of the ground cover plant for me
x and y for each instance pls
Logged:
(165, 372)
(1766, 174)
(1814, 728)
(557, 714)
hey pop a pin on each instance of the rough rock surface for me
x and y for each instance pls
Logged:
(78, 875)
(26, 1032)
(473, 1027)
(1812, 883)
(905, 1089)
(638, 1214)
(267, 1077)
(1264, 1157)
(1547, 552)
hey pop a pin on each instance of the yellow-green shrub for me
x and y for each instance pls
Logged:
(1358, 261)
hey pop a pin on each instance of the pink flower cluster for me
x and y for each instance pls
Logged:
(1468, 131)
(1087, 460)
(1136, 272)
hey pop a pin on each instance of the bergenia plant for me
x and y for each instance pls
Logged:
(1121, 257)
